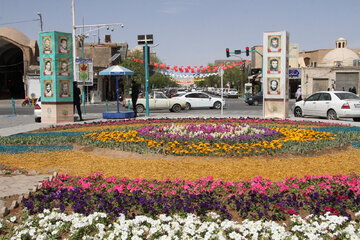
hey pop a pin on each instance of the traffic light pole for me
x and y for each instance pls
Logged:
(146, 79)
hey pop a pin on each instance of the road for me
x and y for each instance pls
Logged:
(234, 106)
(24, 120)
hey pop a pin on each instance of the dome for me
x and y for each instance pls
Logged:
(340, 55)
(341, 39)
(14, 35)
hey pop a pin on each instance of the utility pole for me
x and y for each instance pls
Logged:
(41, 22)
(82, 37)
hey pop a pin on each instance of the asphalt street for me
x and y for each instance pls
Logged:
(23, 119)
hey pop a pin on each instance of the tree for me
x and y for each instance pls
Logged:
(157, 80)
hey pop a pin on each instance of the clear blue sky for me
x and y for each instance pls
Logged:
(196, 32)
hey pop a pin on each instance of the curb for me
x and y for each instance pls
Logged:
(4, 211)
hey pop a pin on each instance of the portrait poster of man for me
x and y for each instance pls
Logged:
(273, 86)
(274, 43)
(46, 43)
(64, 88)
(63, 45)
(274, 65)
(64, 65)
(47, 66)
(48, 88)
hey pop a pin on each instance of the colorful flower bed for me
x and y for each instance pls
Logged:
(98, 207)
(215, 139)
(313, 207)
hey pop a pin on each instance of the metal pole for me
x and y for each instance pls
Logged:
(41, 22)
(117, 93)
(222, 93)
(146, 80)
(13, 106)
(83, 88)
(73, 39)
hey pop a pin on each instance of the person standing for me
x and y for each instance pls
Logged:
(77, 100)
(134, 95)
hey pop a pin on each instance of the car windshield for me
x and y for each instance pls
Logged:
(346, 95)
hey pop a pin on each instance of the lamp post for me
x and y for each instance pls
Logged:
(40, 19)
(82, 37)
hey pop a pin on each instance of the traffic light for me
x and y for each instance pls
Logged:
(247, 51)
(227, 53)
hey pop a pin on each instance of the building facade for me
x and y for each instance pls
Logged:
(20, 70)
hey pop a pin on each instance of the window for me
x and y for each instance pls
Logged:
(314, 97)
(192, 95)
(202, 95)
(325, 97)
(346, 95)
(159, 95)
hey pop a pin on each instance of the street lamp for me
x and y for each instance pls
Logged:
(41, 22)
(82, 37)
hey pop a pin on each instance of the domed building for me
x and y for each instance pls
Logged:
(325, 69)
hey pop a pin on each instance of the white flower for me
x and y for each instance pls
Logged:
(12, 219)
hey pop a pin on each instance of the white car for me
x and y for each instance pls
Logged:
(37, 110)
(201, 100)
(330, 104)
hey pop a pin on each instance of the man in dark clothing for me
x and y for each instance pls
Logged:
(77, 100)
(134, 95)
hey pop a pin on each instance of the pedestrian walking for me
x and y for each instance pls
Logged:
(298, 94)
(77, 100)
(134, 95)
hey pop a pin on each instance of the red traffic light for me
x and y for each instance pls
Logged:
(227, 52)
(247, 51)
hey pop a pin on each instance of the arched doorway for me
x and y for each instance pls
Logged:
(11, 71)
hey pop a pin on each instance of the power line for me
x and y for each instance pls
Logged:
(8, 23)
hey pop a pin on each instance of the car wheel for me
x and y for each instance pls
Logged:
(188, 106)
(176, 108)
(140, 108)
(357, 119)
(297, 112)
(217, 105)
(331, 115)
(256, 103)
(38, 119)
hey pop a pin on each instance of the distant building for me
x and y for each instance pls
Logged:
(20, 71)
(324, 69)
(317, 70)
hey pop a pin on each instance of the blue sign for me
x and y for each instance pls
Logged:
(294, 73)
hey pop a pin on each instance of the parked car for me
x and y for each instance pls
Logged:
(232, 93)
(330, 104)
(201, 100)
(37, 110)
(255, 99)
(158, 100)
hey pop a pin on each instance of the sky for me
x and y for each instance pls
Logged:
(195, 32)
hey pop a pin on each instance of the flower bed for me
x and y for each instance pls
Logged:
(54, 224)
(314, 207)
(211, 139)
(252, 199)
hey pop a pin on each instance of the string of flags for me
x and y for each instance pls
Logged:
(191, 71)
